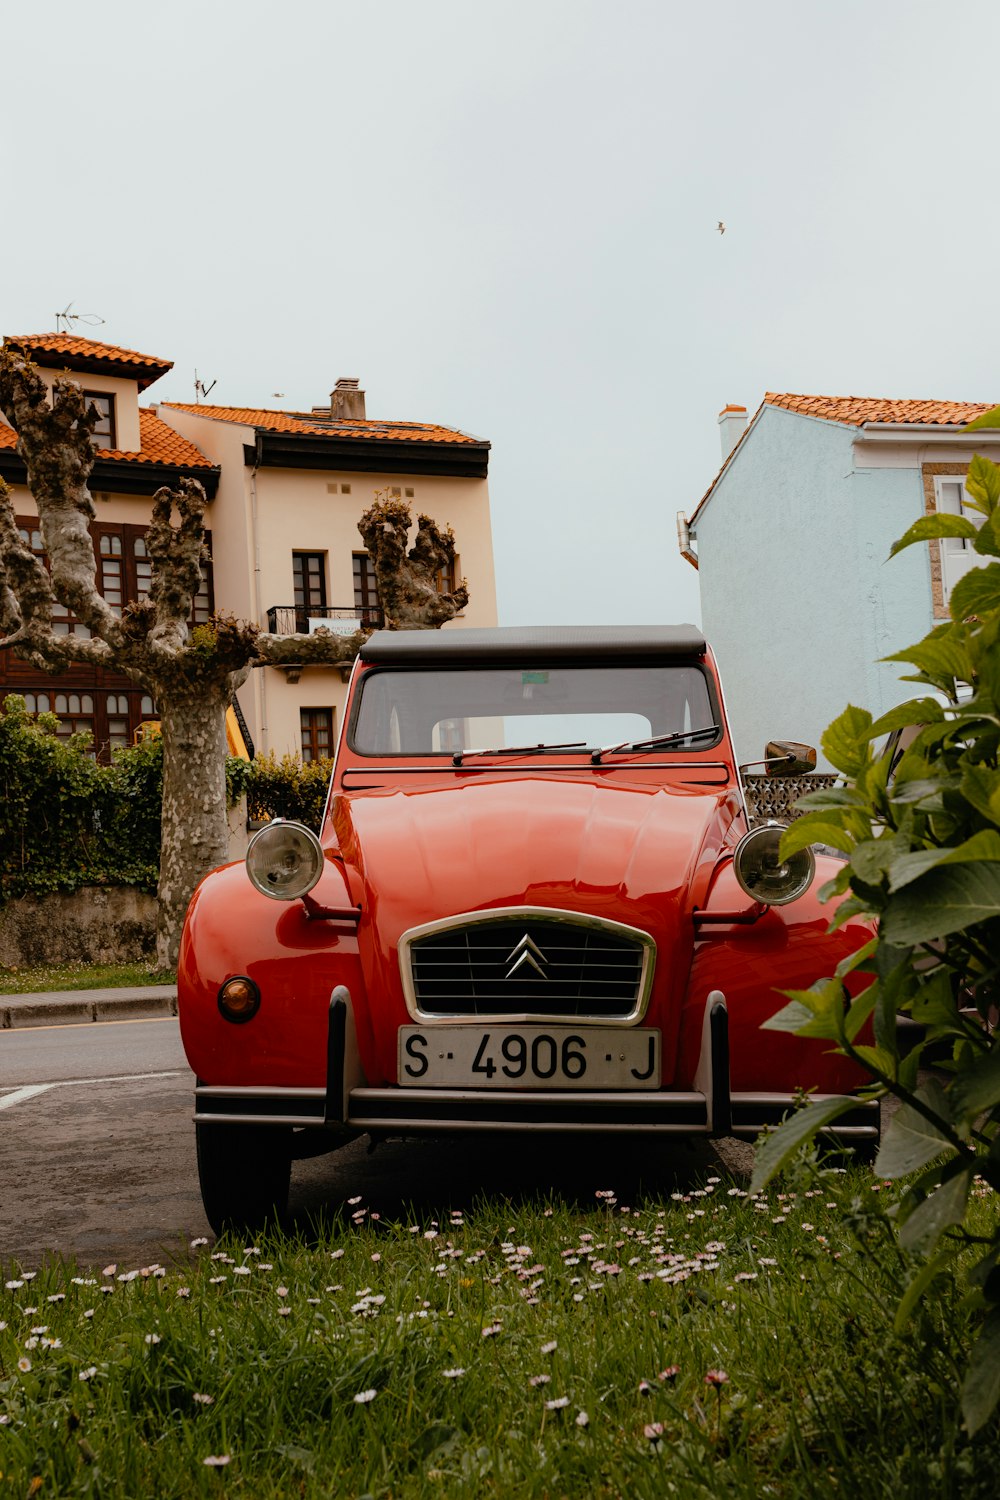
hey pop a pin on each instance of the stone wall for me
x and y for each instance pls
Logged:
(772, 797)
(95, 924)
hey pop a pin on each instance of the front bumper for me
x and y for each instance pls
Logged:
(348, 1104)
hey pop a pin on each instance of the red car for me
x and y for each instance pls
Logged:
(536, 905)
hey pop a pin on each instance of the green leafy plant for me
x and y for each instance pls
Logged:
(920, 830)
(288, 788)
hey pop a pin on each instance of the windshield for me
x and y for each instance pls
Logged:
(445, 710)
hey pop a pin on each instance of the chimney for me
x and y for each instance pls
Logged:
(346, 401)
(732, 425)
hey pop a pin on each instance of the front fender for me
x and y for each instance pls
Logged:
(294, 959)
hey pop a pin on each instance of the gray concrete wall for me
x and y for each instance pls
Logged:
(95, 924)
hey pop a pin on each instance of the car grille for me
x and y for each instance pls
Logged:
(527, 965)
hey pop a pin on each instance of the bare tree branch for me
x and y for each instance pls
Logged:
(407, 581)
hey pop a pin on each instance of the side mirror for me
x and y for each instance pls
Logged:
(788, 758)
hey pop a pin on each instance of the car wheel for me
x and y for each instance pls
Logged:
(244, 1172)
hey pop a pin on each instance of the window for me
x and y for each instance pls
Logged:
(445, 577)
(104, 435)
(309, 583)
(365, 591)
(125, 570)
(317, 733)
(958, 554)
(76, 713)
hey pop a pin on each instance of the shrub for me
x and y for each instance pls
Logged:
(288, 788)
(923, 857)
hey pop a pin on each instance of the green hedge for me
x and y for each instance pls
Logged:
(66, 821)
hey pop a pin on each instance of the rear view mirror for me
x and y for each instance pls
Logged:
(788, 758)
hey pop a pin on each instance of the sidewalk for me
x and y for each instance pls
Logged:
(71, 1007)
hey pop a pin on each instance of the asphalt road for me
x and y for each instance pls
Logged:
(97, 1157)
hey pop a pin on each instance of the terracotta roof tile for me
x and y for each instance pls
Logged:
(160, 445)
(856, 411)
(69, 343)
(310, 425)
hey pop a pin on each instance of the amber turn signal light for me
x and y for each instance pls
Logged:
(239, 999)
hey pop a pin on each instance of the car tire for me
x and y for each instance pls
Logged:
(244, 1172)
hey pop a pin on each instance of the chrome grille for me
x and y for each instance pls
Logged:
(527, 964)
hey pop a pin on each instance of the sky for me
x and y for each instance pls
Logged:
(502, 217)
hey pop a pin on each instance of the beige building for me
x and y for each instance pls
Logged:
(286, 491)
(286, 546)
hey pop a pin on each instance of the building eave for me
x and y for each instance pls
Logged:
(122, 476)
(284, 450)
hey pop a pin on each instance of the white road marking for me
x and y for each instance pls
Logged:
(19, 1096)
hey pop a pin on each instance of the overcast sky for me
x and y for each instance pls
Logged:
(501, 217)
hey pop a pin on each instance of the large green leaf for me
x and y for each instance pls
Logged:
(987, 542)
(980, 786)
(857, 959)
(914, 711)
(933, 526)
(983, 483)
(861, 1008)
(945, 900)
(831, 796)
(977, 1089)
(942, 1208)
(989, 418)
(984, 845)
(814, 1012)
(874, 857)
(845, 742)
(911, 1141)
(981, 1387)
(778, 1148)
(944, 656)
(976, 592)
(814, 828)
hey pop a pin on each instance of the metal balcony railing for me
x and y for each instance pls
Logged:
(290, 619)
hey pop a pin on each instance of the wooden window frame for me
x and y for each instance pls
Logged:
(109, 396)
(310, 725)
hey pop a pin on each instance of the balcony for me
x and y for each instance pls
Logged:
(341, 619)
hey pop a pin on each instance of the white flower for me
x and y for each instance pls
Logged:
(201, 1399)
(336, 1254)
(12, 1286)
(214, 1280)
(241, 1270)
(217, 1460)
(51, 1343)
(284, 1312)
(582, 1420)
(352, 1201)
(201, 1240)
(539, 1379)
(57, 1297)
(110, 1270)
(24, 1364)
(282, 1291)
(183, 1291)
(491, 1330)
(556, 1403)
(88, 1312)
(363, 1397)
(453, 1374)
(152, 1338)
(550, 1348)
(88, 1373)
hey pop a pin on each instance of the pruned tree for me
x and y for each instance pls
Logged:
(407, 578)
(192, 673)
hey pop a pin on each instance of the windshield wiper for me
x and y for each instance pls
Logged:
(657, 742)
(461, 755)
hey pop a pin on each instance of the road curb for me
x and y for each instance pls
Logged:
(75, 1008)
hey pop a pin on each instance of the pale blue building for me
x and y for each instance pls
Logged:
(792, 539)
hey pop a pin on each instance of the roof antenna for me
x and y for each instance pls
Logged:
(65, 318)
(201, 389)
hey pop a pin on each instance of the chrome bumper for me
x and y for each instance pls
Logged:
(347, 1103)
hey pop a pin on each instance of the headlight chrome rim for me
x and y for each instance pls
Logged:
(797, 872)
(284, 860)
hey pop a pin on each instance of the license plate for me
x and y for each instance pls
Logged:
(529, 1057)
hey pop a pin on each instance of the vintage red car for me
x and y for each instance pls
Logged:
(536, 904)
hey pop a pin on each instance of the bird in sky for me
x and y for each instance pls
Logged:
(721, 227)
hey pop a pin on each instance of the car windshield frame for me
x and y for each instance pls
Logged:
(584, 750)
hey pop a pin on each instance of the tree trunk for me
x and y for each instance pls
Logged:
(195, 835)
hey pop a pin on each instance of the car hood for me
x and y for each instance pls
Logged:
(632, 853)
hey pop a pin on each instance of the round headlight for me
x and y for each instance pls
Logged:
(764, 875)
(284, 860)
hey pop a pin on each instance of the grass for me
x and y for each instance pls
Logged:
(708, 1344)
(36, 979)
